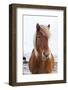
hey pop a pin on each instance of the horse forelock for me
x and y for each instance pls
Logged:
(45, 29)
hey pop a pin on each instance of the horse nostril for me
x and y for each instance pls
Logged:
(46, 55)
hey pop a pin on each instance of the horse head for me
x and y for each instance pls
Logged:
(42, 36)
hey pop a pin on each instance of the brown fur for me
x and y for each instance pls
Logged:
(36, 64)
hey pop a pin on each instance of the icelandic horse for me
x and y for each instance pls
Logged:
(41, 60)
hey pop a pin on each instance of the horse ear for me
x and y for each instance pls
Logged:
(48, 25)
(37, 27)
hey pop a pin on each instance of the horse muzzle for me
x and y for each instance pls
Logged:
(45, 55)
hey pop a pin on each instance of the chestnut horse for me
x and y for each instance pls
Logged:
(41, 60)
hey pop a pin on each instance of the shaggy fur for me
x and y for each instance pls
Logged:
(41, 60)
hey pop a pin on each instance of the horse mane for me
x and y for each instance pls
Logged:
(34, 43)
